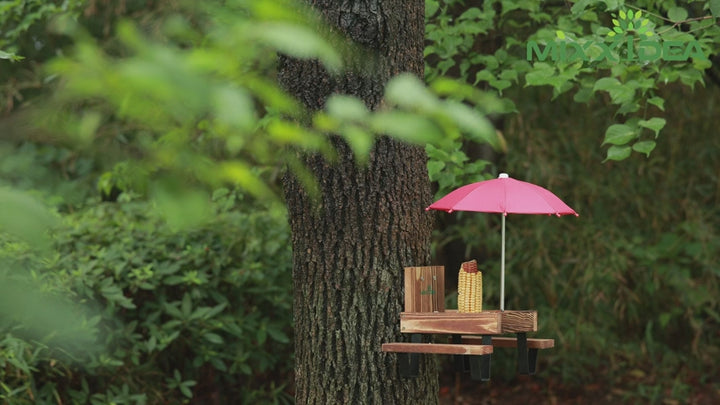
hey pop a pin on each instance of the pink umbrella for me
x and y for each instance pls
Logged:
(503, 195)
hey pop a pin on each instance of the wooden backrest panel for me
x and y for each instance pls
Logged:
(425, 289)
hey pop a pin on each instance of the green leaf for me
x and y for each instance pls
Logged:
(286, 132)
(484, 75)
(540, 75)
(434, 167)
(24, 217)
(5, 55)
(245, 368)
(620, 93)
(172, 310)
(151, 344)
(234, 107)
(346, 108)
(676, 14)
(199, 312)
(185, 388)
(644, 147)
(624, 95)
(690, 76)
(659, 102)
(87, 126)
(619, 134)
(628, 107)
(583, 95)
(359, 140)
(298, 41)
(701, 64)
(500, 85)
(278, 335)
(213, 338)
(431, 7)
(509, 74)
(473, 123)
(490, 61)
(408, 91)
(186, 305)
(405, 126)
(611, 4)
(606, 84)
(42, 315)
(473, 13)
(436, 153)
(618, 152)
(182, 207)
(715, 8)
(654, 123)
(261, 334)
(445, 65)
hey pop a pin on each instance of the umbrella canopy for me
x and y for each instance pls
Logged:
(503, 195)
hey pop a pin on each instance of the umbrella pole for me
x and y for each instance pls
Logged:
(502, 267)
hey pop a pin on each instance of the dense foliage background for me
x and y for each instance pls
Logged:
(168, 229)
(200, 314)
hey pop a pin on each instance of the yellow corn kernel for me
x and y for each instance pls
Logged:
(461, 291)
(478, 295)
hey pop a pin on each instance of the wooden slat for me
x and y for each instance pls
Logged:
(519, 321)
(509, 342)
(425, 289)
(437, 348)
(481, 323)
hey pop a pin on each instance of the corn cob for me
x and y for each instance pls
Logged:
(463, 291)
(469, 288)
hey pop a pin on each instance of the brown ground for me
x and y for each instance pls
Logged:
(460, 389)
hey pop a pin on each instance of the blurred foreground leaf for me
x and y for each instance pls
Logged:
(181, 207)
(34, 314)
(24, 217)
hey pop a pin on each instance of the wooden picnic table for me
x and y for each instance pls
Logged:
(470, 337)
(471, 334)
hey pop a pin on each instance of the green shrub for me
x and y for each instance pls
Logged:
(183, 316)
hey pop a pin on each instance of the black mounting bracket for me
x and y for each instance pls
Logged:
(409, 363)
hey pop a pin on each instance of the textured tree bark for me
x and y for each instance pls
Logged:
(350, 246)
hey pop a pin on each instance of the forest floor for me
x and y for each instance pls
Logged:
(460, 389)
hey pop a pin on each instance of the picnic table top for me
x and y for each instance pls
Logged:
(492, 322)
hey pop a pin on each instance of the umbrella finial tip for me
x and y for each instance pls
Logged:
(503, 176)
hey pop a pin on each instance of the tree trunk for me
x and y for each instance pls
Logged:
(350, 246)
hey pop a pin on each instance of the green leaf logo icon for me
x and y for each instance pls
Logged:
(428, 291)
(631, 22)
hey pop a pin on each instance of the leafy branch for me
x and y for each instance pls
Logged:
(506, 71)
